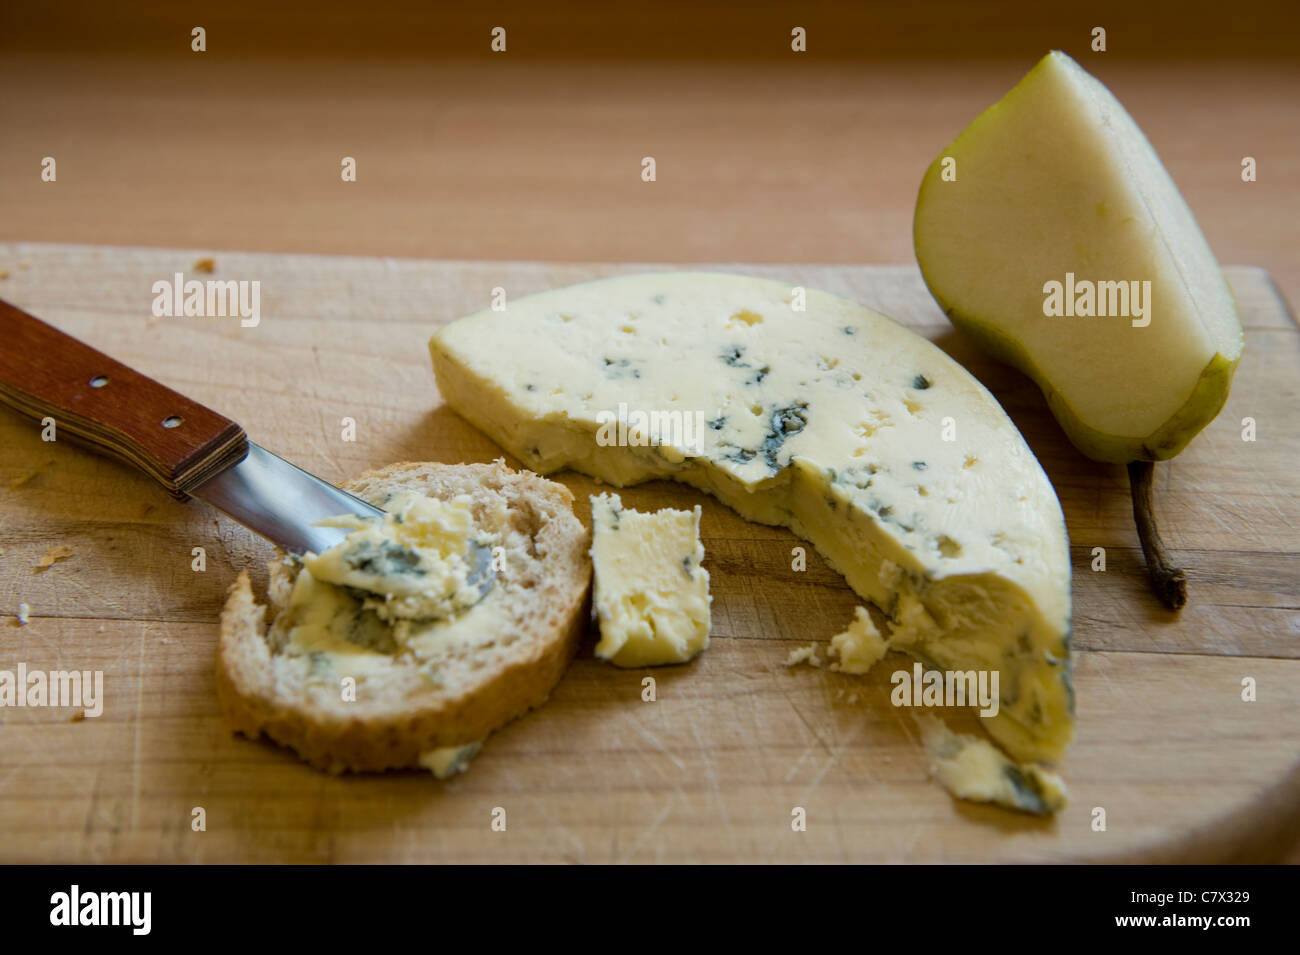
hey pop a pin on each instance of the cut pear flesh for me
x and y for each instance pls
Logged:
(1055, 183)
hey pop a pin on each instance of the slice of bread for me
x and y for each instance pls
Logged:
(473, 674)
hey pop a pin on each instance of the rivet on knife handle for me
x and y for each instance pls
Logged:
(46, 373)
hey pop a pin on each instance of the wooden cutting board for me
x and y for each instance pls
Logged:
(714, 768)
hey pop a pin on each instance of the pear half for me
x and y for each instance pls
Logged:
(1055, 183)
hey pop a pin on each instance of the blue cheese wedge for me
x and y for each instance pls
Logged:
(651, 592)
(972, 768)
(816, 414)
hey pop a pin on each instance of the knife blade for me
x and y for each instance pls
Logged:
(281, 502)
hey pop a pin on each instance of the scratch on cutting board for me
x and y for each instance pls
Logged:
(138, 723)
(831, 754)
(328, 455)
(811, 729)
(654, 741)
(578, 845)
(47, 764)
(324, 453)
(540, 804)
(13, 770)
(33, 633)
(68, 583)
(713, 780)
(816, 780)
(94, 801)
(802, 800)
(648, 831)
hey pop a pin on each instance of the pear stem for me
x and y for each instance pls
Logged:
(1168, 582)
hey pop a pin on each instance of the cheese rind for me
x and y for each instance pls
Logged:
(651, 592)
(834, 421)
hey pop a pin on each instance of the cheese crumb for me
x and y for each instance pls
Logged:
(206, 266)
(449, 760)
(860, 646)
(51, 557)
(973, 769)
(806, 655)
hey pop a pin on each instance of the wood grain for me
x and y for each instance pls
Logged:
(712, 770)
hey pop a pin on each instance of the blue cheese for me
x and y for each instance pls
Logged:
(651, 592)
(449, 760)
(394, 585)
(411, 563)
(860, 646)
(831, 420)
(971, 768)
(328, 625)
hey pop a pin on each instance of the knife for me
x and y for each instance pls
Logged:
(187, 448)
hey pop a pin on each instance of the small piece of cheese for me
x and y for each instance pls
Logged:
(860, 646)
(449, 760)
(972, 768)
(24, 614)
(412, 563)
(806, 655)
(651, 594)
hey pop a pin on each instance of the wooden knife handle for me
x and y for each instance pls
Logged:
(45, 373)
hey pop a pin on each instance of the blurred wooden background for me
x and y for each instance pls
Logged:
(763, 154)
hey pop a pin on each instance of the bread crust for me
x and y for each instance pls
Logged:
(392, 734)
